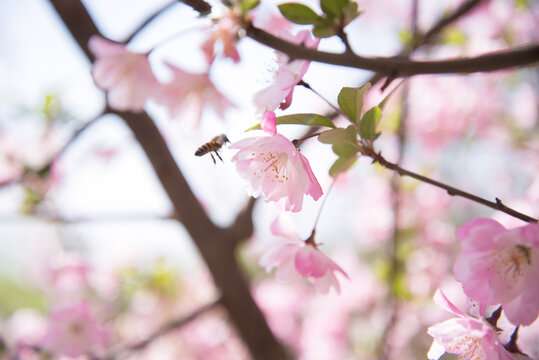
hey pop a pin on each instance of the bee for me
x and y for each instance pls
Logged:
(213, 146)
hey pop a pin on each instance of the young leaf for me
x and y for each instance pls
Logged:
(344, 141)
(248, 5)
(300, 119)
(367, 125)
(351, 101)
(299, 13)
(350, 12)
(342, 164)
(333, 8)
(324, 31)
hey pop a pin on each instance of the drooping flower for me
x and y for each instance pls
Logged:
(73, 331)
(500, 266)
(226, 31)
(126, 75)
(464, 335)
(276, 169)
(189, 91)
(279, 94)
(296, 257)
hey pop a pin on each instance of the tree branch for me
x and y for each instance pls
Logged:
(498, 205)
(398, 66)
(218, 254)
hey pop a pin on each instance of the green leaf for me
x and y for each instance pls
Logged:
(299, 13)
(300, 119)
(351, 101)
(324, 31)
(350, 12)
(367, 125)
(344, 143)
(248, 5)
(333, 8)
(339, 135)
(342, 164)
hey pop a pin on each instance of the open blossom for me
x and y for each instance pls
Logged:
(190, 91)
(279, 94)
(500, 266)
(226, 31)
(126, 75)
(296, 257)
(464, 335)
(73, 331)
(276, 169)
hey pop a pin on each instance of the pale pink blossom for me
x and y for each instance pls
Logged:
(73, 331)
(279, 94)
(296, 257)
(276, 169)
(189, 91)
(126, 75)
(500, 266)
(226, 31)
(464, 335)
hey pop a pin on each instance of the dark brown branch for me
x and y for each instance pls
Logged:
(398, 66)
(219, 255)
(198, 5)
(498, 205)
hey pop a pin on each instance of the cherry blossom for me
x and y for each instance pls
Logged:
(296, 257)
(225, 31)
(276, 169)
(279, 94)
(464, 335)
(126, 75)
(189, 91)
(73, 331)
(499, 266)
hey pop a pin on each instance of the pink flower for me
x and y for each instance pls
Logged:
(301, 257)
(190, 91)
(290, 73)
(276, 169)
(227, 32)
(499, 266)
(126, 75)
(464, 335)
(73, 332)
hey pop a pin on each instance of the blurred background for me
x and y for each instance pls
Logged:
(90, 224)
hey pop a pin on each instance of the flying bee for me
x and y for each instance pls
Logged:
(214, 145)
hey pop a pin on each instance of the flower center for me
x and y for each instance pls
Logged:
(510, 264)
(469, 347)
(273, 165)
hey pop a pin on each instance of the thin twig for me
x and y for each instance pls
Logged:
(497, 205)
(150, 19)
(56, 156)
(171, 326)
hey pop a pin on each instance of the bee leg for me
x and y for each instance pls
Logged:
(219, 156)
(214, 162)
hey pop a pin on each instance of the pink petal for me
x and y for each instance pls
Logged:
(443, 301)
(268, 122)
